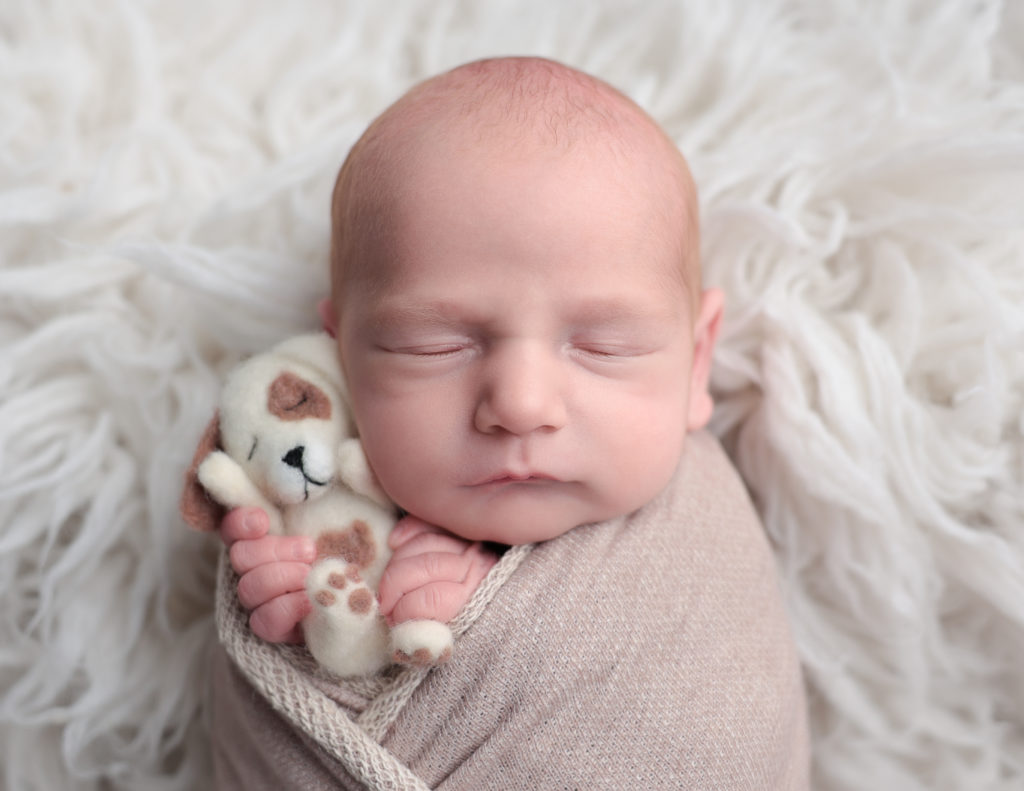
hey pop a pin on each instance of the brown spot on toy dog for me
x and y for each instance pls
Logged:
(355, 544)
(292, 398)
(360, 601)
(337, 581)
(421, 657)
(325, 598)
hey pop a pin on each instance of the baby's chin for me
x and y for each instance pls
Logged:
(514, 525)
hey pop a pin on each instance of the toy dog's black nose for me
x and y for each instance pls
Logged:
(293, 458)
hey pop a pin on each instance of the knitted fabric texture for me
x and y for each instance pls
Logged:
(649, 651)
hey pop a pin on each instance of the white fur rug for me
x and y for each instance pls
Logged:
(164, 178)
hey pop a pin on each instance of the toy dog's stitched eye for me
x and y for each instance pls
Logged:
(252, 451)
(293, 398)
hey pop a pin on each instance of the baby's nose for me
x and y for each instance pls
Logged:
(522, 392)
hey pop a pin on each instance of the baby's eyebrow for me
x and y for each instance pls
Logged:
(618, 310)
(583, 312)
(420, 313)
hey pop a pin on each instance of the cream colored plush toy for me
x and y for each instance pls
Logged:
(283, 440)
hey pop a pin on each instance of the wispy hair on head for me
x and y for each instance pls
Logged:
(519, 103)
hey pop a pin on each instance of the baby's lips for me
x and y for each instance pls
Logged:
(514, 476)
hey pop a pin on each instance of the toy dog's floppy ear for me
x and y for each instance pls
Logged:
(354, 471)
(197, 509)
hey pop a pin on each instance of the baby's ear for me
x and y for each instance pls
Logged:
(197, 509)
(325, 308)
(705, 335)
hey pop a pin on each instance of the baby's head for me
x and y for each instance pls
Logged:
(516, 296)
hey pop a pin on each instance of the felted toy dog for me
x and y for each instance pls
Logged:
(283, 440)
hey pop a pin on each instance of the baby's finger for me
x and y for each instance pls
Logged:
(277, 621)
(481, 561)
(246, 555)
(426, 542)
(406, 574)
(407, 528)
(269, 581)
(436, 601)
(242, 524)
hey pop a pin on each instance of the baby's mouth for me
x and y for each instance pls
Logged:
(508, 476)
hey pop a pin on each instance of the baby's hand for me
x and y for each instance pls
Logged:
(273, 573)
(432, 573)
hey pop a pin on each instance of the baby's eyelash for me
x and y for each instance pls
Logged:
(439, 352)
(603, 352)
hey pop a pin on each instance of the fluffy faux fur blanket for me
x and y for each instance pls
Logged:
(650, 651)
(165, 172)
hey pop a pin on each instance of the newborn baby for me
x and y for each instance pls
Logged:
(518, 308)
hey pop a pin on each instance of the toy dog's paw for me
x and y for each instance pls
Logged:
(344, 631)
(335, 586)
(223, 478)
(421, 643)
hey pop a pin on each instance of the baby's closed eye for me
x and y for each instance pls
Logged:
(429, 349)
(609, 349)
(612, 343)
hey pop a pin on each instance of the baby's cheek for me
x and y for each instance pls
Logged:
(405, 462)
(646, 459)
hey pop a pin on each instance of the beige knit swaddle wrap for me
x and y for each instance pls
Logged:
(649, 651)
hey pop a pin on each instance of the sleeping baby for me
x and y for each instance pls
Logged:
(518, 311)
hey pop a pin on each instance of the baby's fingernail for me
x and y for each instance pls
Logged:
(251, 522)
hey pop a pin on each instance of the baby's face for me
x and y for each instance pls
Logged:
(520, 358)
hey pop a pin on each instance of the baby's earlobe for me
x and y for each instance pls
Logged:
(700, 409)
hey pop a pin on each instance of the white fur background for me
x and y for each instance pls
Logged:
(165, 169)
